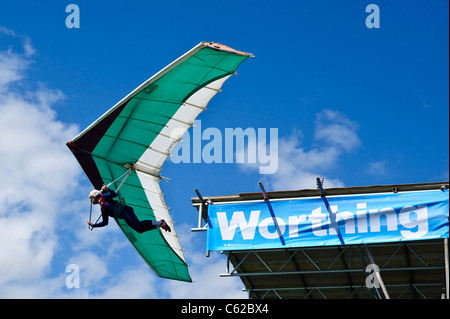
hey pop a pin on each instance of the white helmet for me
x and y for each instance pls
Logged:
(94, 193)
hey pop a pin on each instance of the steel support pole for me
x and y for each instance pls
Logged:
(331, 215)
(446, 268)
(269, 206)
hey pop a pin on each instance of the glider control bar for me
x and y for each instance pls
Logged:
(127, 172)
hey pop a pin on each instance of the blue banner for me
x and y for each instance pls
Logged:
(355, 219)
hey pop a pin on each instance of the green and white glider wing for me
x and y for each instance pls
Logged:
(140, 131)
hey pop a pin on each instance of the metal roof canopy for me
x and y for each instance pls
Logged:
(408, 269)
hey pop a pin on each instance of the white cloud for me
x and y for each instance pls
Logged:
(37, 171)
(6, 31)
(13, 64)
(378, 168)
(28, 47)
(11, 68)
(134, 283)
(298, 166)
(335, 129)
(205, 272)
(27, 247)
(92, 268)
(207, 284)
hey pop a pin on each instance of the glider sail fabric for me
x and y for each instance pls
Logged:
(140, 131)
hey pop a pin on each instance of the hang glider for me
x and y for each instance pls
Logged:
(134, 138)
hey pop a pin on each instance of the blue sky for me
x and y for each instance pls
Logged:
(355, 105)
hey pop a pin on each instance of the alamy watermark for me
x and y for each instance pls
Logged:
(372, 280)
(73, 19)
(373, 19)
(73, 279)
(250, 146)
